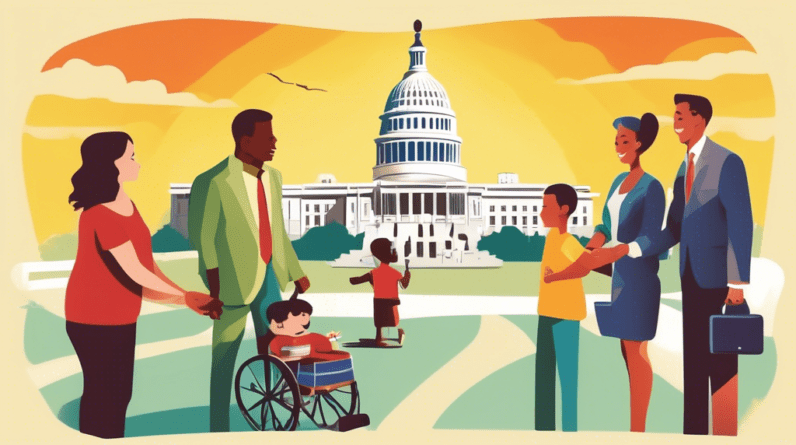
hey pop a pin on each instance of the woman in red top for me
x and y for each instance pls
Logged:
(113, 271)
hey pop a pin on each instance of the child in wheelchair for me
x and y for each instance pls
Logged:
(288, 338)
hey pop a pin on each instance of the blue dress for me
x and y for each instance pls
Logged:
(635, 287)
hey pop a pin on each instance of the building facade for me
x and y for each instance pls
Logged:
(419, 197)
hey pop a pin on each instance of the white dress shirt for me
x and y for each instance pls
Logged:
(634, 251)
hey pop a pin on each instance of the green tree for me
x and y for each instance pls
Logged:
(326, 243)
(167, 239)
(59, 247)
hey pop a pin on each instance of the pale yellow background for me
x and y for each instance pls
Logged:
(30, 34)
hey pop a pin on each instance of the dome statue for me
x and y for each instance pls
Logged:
(417, 141)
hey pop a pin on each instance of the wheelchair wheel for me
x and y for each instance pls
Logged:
(327, 408)
(268, 394)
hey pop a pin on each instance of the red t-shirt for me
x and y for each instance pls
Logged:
(385, 281)
(320, 346)
(99, 291)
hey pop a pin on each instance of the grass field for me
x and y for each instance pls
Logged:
(516, 279)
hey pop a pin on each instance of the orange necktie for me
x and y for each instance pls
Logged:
(689, 177)
(265, 224)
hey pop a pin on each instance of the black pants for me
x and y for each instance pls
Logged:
(699, 365)
(107, 356)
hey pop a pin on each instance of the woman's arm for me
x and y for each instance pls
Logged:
(162, 297)
(597, 240)
(159, 290)
(585, 263)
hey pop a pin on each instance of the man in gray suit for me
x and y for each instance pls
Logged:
(711, 217)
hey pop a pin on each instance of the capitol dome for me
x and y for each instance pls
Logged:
(417, 141)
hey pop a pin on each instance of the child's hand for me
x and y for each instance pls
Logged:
(547, 273)
(333, 334)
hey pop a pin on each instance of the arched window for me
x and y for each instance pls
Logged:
(402, 151)
(436, 152)
(389, 155)
(415, 122)
(420, 151)
(394, 151)
(401, 124)
(423, 121)
(411, 151)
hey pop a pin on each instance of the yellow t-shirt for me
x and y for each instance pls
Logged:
(562, 299)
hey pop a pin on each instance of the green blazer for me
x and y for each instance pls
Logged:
(222, 228)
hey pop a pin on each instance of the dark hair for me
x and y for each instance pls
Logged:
(381, 248)
(243, 124)
(565, 196)
(697, 104)
(279, 310)
(97, 180)
(647, 132)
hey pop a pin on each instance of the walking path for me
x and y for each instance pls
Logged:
(498, 343)
(334, 305)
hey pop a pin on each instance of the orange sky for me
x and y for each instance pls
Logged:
(193, 46)
(631, 41)
(176, 52)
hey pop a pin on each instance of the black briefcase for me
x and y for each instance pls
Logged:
(736, 331)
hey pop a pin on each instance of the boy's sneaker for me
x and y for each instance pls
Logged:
(401, 336)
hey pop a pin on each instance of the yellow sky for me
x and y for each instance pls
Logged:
(503, 81)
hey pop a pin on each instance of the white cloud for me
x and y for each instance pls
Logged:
(65, 132)
(79, 79)
(759, 129)
(708, 67)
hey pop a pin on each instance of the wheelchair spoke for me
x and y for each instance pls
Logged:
(260, 402)
(256, 381)
(275, 419)
(283, 404)
(263, 415)
(332, 402)
(252, 389)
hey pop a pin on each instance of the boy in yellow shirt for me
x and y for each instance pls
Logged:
(562, 304)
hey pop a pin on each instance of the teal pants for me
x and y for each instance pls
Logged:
(227, 336)
(557, 343)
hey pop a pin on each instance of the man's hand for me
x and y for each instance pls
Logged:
(608, 255)
(734, 297)
(204, 304)
(302, 284)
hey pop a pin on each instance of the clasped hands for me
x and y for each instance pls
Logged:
(204, 304)
(594, 259)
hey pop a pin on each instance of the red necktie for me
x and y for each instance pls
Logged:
(689, 177)
(265, 223)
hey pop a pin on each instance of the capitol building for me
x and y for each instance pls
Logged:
(419, 197)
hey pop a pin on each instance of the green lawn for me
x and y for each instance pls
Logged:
(505, 399)
(514, 278)
(171, 392)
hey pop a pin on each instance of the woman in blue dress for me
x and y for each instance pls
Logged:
(634, 207)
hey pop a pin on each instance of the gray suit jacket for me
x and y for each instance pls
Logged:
(714, 228)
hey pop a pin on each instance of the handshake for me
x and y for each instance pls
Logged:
(204, 304)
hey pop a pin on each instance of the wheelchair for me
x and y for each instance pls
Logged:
(271, 398)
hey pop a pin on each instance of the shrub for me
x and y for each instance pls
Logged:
(59, 247)
(167, 239)
(326, 243)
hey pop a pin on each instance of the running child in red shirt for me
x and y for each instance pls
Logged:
(384, 280)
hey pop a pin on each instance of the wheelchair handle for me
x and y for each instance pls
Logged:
(295, 293)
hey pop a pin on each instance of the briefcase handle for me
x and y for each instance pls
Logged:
(738, 309)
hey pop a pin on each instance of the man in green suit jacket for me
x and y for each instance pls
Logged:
(234, 210)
